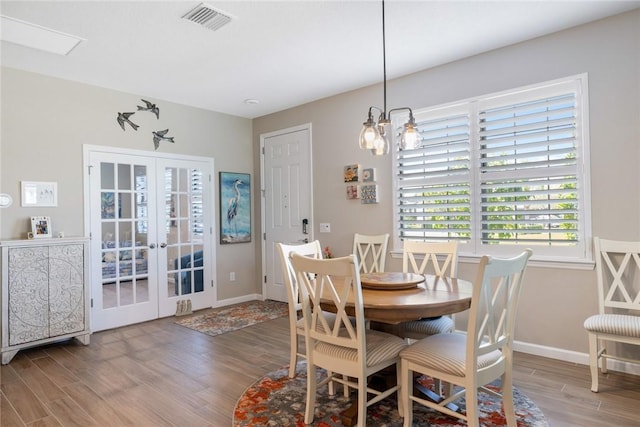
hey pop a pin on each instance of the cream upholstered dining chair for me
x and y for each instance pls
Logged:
(333, 342)
(475, 358)
(370, 251)
(296, 326)
(617, 268)
(421, 258)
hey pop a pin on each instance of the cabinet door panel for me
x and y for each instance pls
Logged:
(66, 293)
(28, 294)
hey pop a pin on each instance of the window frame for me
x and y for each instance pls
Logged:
(579, 255)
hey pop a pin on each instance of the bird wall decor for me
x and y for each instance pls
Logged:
(124, 118)
(159, 135)
(151, 107)
(232, 209)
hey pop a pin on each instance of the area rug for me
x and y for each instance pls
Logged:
(277, 400)
(237, 317)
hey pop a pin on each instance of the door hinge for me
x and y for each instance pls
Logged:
(89, 169)
(264, 236)
(210, 230)
(265, 279)
(212, 283)
(263, 151)
(209, 177)
(91, 302)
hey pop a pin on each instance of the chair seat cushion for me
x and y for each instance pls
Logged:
(424, 327)
(445, 353)
(381, 347)
(614, 324)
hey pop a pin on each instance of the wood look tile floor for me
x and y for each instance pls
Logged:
(161, 374)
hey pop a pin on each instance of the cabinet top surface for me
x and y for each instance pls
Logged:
(43, 242)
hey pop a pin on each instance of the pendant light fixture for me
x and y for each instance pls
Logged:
(375, 136)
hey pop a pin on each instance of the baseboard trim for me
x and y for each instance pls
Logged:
(573, 357)
(237, 300)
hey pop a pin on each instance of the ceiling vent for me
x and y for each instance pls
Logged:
(207, 16)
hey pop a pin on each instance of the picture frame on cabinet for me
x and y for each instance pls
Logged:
(41, 227)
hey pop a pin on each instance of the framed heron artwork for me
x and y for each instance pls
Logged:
(235, 207)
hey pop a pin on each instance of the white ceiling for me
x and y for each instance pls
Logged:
(282, 53)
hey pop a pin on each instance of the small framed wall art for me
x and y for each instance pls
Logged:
(41, 194)
(369, 175)
(40, 227)
(351, 173)
(353, 191)
(369, 194)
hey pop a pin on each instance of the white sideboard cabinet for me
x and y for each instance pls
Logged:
(44, 293)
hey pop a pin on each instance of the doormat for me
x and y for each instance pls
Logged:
(221, 321)
(277, 400)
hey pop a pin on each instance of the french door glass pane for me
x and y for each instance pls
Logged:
(184, 230)
(124, 233)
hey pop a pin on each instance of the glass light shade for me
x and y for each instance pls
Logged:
(410, 139)
(380, 145)
(368, 135)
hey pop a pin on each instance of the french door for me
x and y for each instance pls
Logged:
(151, 236)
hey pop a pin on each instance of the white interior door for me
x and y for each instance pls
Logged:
(123, 263)
(287, 199)
(185, 235)
(151, 227)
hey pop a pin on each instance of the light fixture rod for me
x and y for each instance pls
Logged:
(384, 65)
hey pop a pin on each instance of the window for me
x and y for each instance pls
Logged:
(500, 173)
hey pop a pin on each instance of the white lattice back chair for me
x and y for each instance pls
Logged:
(475, 358)
(618, 277)
(296, 325)
(439, 258)
(446, 266)
(370, 251)
(334, 342)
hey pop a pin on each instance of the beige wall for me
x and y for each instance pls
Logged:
(555, 300)
(46, 121)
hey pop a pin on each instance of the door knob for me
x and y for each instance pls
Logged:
(163, 245)
(152, 246)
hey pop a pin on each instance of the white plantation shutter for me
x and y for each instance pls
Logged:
(502, 170)
(434, 181)
(528, 171)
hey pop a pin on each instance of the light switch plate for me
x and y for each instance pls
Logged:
(325, 227)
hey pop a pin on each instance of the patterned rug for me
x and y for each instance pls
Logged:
(237, 317)
(276, 400)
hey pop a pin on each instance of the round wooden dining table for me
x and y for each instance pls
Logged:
(392, 298)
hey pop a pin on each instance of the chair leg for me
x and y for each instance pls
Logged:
(293, 357)
(593, 361)
(471, 398)
(311, 393)
(331, 386)
(405, 393)
(507, 399)
(362, 402)
(399, 391)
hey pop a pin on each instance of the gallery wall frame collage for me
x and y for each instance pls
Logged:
(361, 184)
